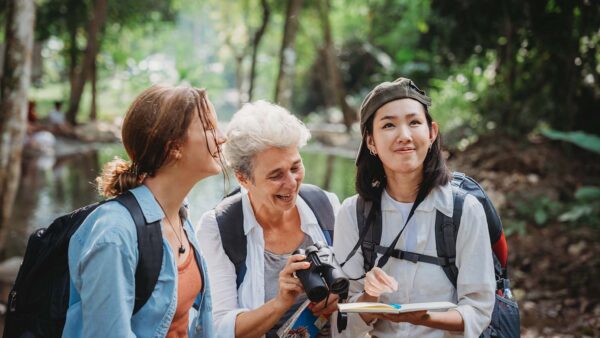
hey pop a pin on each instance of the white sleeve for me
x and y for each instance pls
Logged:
(222, 276)
(345, 237)
(334, 201)
(476, 281)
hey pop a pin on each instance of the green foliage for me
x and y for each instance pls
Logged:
(538, 209)
(585, 210)
(456, 98)
(547, 58)
(581, 139)
(541, 210)
(512, 226)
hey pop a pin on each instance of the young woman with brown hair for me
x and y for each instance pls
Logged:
(172, 139)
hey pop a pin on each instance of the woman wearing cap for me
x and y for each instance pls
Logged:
(403, 176)
(273, 216)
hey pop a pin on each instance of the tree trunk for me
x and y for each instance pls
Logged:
(256, 42)
(287, 55)
(94, 106)
(20, 19)
(71, 24)
(91, 50)
(333, 71)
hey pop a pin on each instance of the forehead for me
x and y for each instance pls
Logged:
(274, 158)
(399, 108)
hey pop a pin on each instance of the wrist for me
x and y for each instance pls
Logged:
(280, 305)
(365, 297)
(421, 320)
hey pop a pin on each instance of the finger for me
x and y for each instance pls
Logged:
(291, 280)
(326, 304)
(385, 279)
(290, 287)
(290, 268)
(374, 290)
(296, 258)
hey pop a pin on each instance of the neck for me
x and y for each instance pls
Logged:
(404, 187)
(170, 196)
(269, 219)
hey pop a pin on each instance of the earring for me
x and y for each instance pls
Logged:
(178, 155)
(430, 145)
(372, 152)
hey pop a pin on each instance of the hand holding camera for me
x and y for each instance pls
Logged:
(289, 286)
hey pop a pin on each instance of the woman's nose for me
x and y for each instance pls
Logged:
(291, 180)
(404, 134)
(221, 138)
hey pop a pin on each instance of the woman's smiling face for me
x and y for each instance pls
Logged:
(401, 136)
(276, 177)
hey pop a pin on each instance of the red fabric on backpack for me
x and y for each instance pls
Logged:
(500, 248)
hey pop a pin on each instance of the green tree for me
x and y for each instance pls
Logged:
(546, 58)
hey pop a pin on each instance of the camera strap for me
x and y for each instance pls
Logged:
(372, 213)
(388, 252)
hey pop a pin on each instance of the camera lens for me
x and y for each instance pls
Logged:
(317, 294)
(340, 285)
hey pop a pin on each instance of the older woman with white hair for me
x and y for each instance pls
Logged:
(249, 238)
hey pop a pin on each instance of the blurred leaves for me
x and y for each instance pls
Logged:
(581, 139)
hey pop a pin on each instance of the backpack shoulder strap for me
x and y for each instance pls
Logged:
(369, 231)
(446, 230)
(230, 219)
(318, 202)
(150, 248)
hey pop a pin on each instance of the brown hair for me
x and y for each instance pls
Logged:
(370, 175)
(155, 124)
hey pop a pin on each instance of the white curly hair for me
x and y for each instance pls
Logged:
(256, 127)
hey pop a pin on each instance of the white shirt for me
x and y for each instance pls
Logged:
(228, 301)
(423, 282)
(56, 117)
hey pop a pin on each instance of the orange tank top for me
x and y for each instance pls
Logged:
(188, 286)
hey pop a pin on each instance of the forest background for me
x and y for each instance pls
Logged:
(515, 86)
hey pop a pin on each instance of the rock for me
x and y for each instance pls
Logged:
(97, 131)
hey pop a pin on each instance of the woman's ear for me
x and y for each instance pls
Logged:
(433, 132)
(242, 179)
(371, 144)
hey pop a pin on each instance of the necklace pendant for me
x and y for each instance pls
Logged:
(181, 250)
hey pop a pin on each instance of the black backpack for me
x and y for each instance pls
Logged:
(230, 218)
(505, 317)
(38, 301)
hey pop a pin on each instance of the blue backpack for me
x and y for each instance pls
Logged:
(230, 218)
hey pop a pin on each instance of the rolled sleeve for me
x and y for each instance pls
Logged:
(221, 274)
(107, 275)
(476, 281)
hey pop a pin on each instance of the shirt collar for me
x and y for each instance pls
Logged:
(307, 217)
(439, 198)
(150, 207)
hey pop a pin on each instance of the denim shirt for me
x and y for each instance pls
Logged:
(103, 256)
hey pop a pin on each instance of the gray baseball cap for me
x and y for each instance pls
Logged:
(401, 88)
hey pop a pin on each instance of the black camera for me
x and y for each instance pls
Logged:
(323, 275)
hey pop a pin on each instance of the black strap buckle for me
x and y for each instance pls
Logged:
(409, 256)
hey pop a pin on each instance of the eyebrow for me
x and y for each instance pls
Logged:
(278, 169)
(394, 117)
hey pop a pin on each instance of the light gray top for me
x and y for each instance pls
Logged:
(274, 263)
